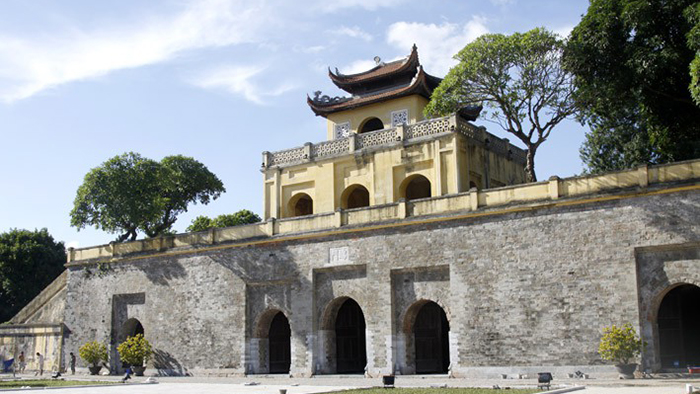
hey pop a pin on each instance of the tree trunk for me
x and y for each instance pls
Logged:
(530, 165)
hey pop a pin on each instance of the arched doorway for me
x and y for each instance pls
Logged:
(130, 328)
(355, 196)
(431, 339)
(679, 327)
(351, 353)
(371, 124)
(415, 187)
(279, 344)
(272, 339)
(301, 204)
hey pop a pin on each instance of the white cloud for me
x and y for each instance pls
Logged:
(73, 244)
(502, 3)
(28, 67)
(311, 49)
(358, 66)
(564, 31)
(370, 5)
(354, 32)
(437, 44)
(240, 80)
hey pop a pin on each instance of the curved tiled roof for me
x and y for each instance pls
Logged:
(403, 66)
(422, 84)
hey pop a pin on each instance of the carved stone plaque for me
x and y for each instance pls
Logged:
(338, 256)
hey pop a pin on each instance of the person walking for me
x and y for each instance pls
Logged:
(72, 363)
(22, 362)
(40, 361)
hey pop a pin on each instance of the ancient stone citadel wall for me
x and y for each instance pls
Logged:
(521, 288)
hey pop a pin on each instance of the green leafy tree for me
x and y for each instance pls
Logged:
(519, 80)
(244, 216)
(620, 344)
(130, 193)
(29, 261)
(631, 61)
(693, 15)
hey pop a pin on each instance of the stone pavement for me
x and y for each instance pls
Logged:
(272, 385)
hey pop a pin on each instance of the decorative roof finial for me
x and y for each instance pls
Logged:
(377, 60)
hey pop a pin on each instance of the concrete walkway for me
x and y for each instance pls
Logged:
(272, 385)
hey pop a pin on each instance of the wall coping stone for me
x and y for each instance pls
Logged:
(660, 179)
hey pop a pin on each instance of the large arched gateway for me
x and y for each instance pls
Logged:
(427, 343)
(679, 327)
(272, 337)
(279, 344)
(351, 353)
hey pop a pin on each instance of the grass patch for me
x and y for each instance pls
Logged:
(14, 384)
(451, 390)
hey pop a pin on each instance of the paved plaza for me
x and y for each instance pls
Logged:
(324, 384)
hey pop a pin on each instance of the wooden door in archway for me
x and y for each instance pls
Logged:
(431, 340)
(279, 344)
(679, 327)
(351, 354)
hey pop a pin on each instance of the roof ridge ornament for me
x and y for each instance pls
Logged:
(326, 99)
(385, 81)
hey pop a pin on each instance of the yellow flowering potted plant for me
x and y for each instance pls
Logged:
(94, 353)
(622, 346)
(135, 351)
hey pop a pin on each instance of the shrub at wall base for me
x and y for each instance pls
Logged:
(621, 345)
(135, 351)
(93, 353)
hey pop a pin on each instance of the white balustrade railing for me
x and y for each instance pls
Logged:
(386, 137)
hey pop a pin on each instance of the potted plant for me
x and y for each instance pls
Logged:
(621, 345)
(93, 353)
(135, 351)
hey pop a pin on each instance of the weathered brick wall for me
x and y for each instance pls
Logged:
(47, 307)
(521, 290)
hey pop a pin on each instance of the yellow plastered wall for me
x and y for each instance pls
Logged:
(381, 172)
(414, 104)
(449, 162)
(353, 171)
(504, 172)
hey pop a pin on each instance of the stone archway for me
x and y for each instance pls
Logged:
(678, 327)
(426, 330)
(415, 187)
(279, 337)
(271, 345)
(130, 328)
(355, 196)
(343, 337)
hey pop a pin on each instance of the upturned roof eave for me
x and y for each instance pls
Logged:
(421, 86)
(346, 82)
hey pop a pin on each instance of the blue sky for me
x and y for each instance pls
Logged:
(219, 80)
